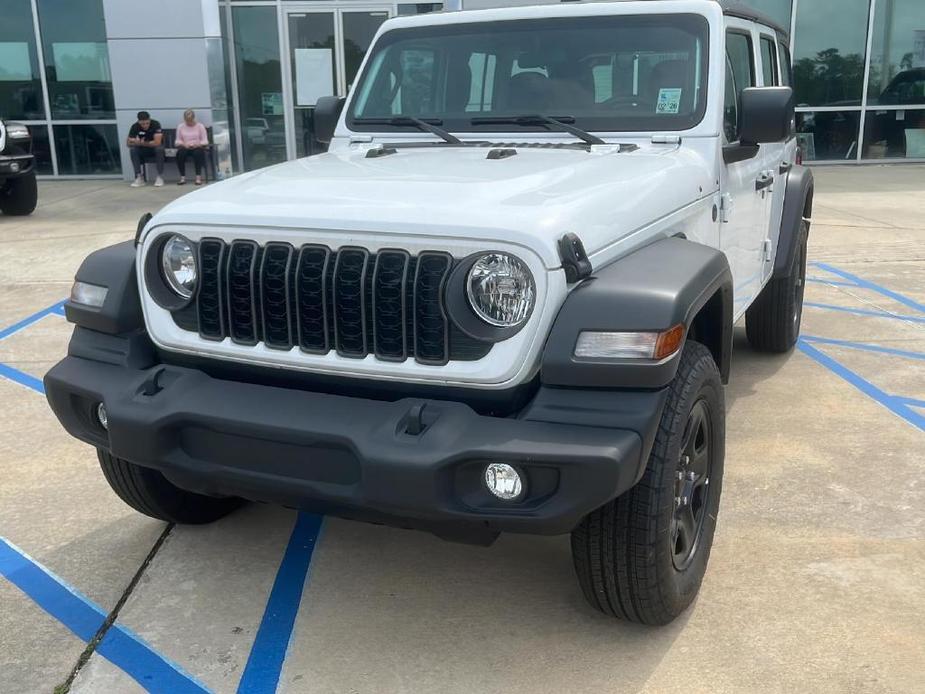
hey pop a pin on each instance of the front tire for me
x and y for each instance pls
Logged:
(642, 557)
(19, 196)
(149, 492)
(772, 322)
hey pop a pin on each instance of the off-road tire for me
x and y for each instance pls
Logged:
(772, 322)
(623, 552)
(150, 493)
(19, 195)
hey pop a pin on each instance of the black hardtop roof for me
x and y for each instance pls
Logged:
(734, 8)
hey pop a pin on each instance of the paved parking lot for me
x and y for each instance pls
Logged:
(816, 582)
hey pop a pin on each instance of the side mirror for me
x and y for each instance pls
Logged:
(326, 114)
(766, 115)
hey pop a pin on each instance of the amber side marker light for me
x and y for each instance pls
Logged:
(651, 346)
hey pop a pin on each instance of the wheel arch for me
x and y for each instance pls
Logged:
(798, 205)
(669, 282)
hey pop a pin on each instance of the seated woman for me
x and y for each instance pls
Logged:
(191, 141)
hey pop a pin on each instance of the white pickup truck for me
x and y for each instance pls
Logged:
(502, 301)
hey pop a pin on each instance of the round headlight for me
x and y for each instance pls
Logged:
(501, 289)
(178, 261)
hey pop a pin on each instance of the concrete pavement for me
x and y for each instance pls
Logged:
(815, 582)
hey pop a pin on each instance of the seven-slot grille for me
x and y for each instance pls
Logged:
(389, 303)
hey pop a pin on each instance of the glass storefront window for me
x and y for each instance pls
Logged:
(41, 149)
(828, 135)
(897, 56)
(76, 59)
(829, 46)
(87, 149)
(20, 80)
(260, 86)
(419, 8)
(894, 134)
(778, 10)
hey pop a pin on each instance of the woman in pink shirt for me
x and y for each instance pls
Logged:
(191, 141)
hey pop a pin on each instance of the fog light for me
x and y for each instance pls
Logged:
(503, 481)
(14, 166)
(102, 416)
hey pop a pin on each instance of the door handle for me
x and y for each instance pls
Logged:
(785, 167)
(764, 181)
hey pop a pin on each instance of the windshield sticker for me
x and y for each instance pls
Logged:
(669, 101)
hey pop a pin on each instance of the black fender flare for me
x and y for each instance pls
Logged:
(112, 267)
(668, 282)
(798, 203)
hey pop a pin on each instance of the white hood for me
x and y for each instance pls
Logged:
(529, 199)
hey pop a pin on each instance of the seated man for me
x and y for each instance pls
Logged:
(145, 143)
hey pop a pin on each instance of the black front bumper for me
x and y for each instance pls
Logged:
(13, 165)
(359, 457)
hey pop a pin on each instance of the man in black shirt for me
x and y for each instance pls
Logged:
(145, 143)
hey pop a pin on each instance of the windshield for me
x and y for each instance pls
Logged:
(608, 73)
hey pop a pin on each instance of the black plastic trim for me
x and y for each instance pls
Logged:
(252, 285)
(643, 291)
(266, 291)
(798, 200)
(440, 301)
(402, 302)
(339, 314)
(220, 310)
(303, 251)
(112, 267)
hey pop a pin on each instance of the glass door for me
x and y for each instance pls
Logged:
(325, 47)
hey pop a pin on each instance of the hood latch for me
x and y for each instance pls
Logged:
(574, 258)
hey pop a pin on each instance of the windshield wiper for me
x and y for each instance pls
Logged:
(429, 126)
(559, 122)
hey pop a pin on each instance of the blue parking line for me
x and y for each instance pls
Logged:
(867, 284)
(22, 378)
(268, 653)
(835, 283)
(83, 617)
(863, 346)
(897, 405)
(912, 402)
(57, 309)
(865, 312)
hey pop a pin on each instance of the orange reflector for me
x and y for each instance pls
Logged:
(668, 342)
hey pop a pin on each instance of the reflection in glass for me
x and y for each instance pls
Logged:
(892, 134)
(260, 87)
(87, 149)
(41, 149)
(829, 43)
(828, 135)
(897, 57)
(359, 29)
(76, 59)
(20, 80)
(311, 41)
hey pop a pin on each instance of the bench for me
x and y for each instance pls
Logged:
(209, 172)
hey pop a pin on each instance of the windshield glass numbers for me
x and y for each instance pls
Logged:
(576, 75)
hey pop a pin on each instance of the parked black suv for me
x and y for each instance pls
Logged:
(18, 191)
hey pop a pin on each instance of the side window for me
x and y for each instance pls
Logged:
(740, 74)
(769, 63)
(785, 74)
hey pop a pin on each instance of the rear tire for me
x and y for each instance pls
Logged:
(642, 557)
(149, 492)
(19, 196)
(772, 322)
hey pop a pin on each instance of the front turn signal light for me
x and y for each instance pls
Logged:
(650, 346)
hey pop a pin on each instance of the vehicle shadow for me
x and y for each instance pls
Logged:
(749, 368)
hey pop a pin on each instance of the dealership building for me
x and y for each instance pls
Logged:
(77, 71)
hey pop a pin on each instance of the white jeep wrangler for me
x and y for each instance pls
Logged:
(502, 301)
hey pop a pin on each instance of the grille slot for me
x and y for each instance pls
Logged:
(242, 309)
(389, 303)
(430, 324)
(312, 299)
(350, 301)
(275, 269)
(390, 282)
(209, 300)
